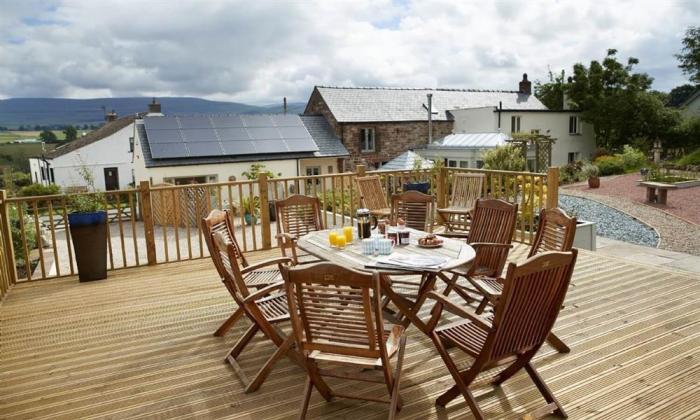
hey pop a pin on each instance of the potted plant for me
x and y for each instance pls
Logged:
(87, 222)
(251, 217)
(591, 172)
(416, 174)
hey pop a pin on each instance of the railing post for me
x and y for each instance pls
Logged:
(441, 191)
(264, 212)
(7, 237)
(361, 170)
(147, 216)
(552, 187)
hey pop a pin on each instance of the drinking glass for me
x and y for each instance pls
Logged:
(347, 232)
(340, 241)
(333, 238)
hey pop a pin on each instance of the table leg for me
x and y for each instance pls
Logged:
(662, 195)
(651, 194)
(407, 308)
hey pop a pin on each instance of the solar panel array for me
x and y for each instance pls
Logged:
(225, 135)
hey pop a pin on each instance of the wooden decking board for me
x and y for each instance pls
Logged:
(139, 345)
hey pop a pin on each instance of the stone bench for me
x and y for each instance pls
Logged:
(657, 191)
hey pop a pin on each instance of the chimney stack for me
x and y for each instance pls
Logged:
(154, 107)
(430, 118)
(284, 104)
(525, 85)
(110, 116)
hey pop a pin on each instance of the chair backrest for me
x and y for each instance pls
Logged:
(466, 189)
(298, 215)
(336, 310)
(415, 208)
(555, 232)
(532, 296)
(370, 188)
(232, 276)
(494, 221)
(220, 221)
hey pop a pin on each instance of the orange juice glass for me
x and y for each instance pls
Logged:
(347, 231)
(333, 238)
(340, 241)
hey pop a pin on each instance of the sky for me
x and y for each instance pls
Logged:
(258, 51)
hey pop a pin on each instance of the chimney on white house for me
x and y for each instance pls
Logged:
(525, 86)
(154, 107)
(111, 116)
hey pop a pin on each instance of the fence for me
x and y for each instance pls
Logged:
(158, 224)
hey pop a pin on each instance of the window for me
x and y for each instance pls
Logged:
(52, 177)
(515, 124)
(367, 140)
(187, 180)
(452, 163)
(479, 164)
(312, 171)
(531, 165)
(574, 124)
(330, 169)
(463, 163)
(535, 131)
(573, 157)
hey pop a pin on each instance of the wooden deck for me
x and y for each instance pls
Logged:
(139, 345)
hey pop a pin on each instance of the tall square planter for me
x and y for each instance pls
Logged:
(585, 236)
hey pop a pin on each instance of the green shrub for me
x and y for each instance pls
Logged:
(610, 165)
(570, 173)
(504, 158)
(589, 171)
(692, 158)
(16, 229)
(32, 190)
(631, 158)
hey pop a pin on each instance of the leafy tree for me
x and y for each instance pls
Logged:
(690, 54)
(48, 137)
(680, 94)
(71, 133)
(256, 169)
(551, 94)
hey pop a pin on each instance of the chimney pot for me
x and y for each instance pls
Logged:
(111, 116)
(525, 85)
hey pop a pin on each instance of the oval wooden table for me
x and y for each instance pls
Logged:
(458, 253)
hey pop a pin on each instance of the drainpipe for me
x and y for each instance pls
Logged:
(500, 108)
(430, 118)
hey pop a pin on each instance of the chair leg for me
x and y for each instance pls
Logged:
(396, 402)
(269, 364)
(511, 370)
(482, 305)
(223, 329)
(544, 390)
(556, 342)
(243, 341)
(462, 381)
(318, 381)
(307, 397)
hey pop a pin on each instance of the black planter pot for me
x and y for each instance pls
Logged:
(88, 233)
(423, 187)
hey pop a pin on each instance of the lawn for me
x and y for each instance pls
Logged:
(10, 136)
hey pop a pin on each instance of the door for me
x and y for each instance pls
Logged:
(111, 179)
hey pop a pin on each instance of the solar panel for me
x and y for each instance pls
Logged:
(232, 134)
(257, 120)
(195, 122)
(158, 123)
(264, 133)
(270, 146)
(199, 134)
(168, 150)
(225, 121)
(164, 136)
(293, 132)
(283, 120)
(239, 148)
(205, 148)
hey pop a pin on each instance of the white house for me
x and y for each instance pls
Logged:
(691, 106)
(219, 148)
(105, 152)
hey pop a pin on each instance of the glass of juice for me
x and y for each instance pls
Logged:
(333, 238)
(347, 232)
(340, 241)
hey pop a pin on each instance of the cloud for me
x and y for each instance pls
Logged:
(259, 51)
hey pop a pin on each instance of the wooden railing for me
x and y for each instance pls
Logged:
(157, 224)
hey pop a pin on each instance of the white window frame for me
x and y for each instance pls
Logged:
(575, 156)
(451, 163)
(368, 141)
(515, 123)
(577, 125)
(463, 164)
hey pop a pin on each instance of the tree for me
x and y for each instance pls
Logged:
(71, 133)
(48, 137)
(690, 54)
(551, 94)
(680, 94)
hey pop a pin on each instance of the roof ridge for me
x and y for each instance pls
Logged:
(416, 88)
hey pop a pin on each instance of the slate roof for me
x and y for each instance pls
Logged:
(405, 161)
(383, 104)
(103, 132)
(470, 141)
(328, 143)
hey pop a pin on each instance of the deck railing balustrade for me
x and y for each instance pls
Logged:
(157, 224)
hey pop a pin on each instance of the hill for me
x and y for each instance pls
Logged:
(60, 111)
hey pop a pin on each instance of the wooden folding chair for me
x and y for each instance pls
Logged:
(255, 276)
(415, 208)
(532, 297)
(466, 189)
(337, 321)
(375, 199)
(265, 308)
(297, 215)
(555, 232)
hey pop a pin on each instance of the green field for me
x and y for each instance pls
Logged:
(10, 136)
(17, 155)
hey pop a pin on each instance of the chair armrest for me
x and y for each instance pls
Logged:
(490, 245)
(451, 307)
(263, 292)
(288, 236)
(261, 264)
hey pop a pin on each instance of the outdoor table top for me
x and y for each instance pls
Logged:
(316, 243)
